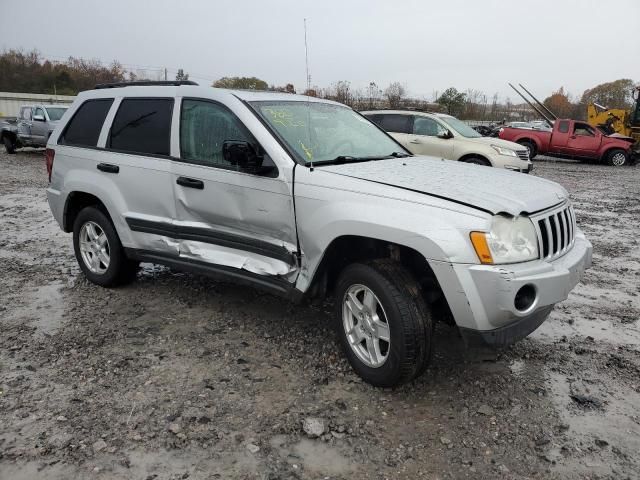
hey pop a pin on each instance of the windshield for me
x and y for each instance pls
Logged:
(460, 127)
(321, 132)
(55, 113)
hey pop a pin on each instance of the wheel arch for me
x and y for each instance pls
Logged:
(467, 156)
(75, 202)
(347, 249)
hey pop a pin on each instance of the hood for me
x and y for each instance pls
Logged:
(496, 141)
(486, 188)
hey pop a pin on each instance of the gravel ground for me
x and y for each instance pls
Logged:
(177, 376)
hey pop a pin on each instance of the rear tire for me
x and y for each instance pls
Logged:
(98, 250)
(9, 145)
(618, 157)
(533, 151)
(399, 313)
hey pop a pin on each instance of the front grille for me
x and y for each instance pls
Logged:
(556, 232)
(523, 154)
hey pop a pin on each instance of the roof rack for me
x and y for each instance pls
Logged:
(145, 83)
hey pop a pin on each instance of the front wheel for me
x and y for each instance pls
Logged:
(98, 249)
(383, 322)
(477, 161)
(9, 145)
(617, 158)
(531, 147)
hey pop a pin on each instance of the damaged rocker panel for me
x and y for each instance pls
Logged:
(213, 237)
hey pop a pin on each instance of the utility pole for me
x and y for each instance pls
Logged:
(165, 74)
(306, 56)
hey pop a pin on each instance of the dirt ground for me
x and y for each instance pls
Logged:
(177, 376)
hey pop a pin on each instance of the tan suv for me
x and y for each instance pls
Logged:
(443, 136)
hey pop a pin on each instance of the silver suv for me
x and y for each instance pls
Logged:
(305, 197)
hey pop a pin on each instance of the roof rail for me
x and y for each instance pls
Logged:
(145, 83)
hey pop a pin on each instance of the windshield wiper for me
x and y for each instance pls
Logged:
(340, 159)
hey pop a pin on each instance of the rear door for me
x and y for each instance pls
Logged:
(226, 216)
(136, 161)
(584, 140)
(560, 137)
(425, 141)
(399, 126)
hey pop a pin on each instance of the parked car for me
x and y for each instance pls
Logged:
(32, 127)
(443, 136)
(572, 139)
(304, 197)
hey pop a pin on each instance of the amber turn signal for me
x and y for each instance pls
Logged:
(479, 241)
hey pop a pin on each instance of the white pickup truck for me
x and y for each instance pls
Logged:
(32, 127)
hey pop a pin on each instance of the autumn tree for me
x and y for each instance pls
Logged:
(452, 100)
(241, 83)
(394, 93)
(559, 103)
(616, 94)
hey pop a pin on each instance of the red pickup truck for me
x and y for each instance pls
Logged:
(572, 139)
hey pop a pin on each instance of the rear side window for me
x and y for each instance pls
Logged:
(142, 125)
(563, 127)
(84, 128)
(374, 118)
(396, 123)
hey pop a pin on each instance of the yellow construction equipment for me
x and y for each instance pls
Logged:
(617, 120)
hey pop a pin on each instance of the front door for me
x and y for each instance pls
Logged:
(584, 140)
(225, 216)
(425, 139)
(24, 124)
(39, 127)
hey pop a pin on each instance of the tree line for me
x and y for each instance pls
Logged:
(30, 72)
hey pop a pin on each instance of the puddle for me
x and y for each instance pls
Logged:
(617, 424)
(43, 307)
(601, 330)
(314, 456)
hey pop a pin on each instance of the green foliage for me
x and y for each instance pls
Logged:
(616, 94)
(241, 83)
(30, 73)
(452, 100)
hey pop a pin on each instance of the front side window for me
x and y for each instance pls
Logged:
(39, 111)
(426, 126)
(323, 132)
(460, 127)
(583, 129)
(55, 113)
(204, 127)
(86, 124)
(142, 125)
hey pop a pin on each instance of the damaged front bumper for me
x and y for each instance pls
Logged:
(508, 302)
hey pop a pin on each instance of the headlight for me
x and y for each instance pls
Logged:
(504, 151)
(511, 240)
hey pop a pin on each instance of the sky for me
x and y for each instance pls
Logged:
(426, 45)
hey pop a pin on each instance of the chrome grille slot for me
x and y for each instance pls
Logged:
(556, 231)
(523, 154)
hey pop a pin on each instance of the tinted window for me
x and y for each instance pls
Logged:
(396, 123)
(375, 118)
(39, 111)
(142, 125)
(563, 127)
(204, 127)
(84, 128)
(426, 126)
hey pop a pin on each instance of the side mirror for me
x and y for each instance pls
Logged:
(38, 118)
(445, 135)
(243, 154)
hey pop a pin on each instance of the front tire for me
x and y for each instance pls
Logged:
(9, 145)
(383, 322)
(533, 151)
(98, 249)
(477, 161)
(617, 158)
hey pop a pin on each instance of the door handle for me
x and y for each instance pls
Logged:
(190, 183)
(415, 141)
(109, 168)
(572, 137)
